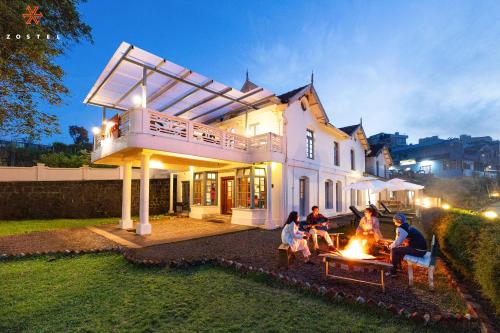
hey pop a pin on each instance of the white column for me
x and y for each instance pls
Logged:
(144, 228)
(126, 221)
(269, 191)
(171, 194)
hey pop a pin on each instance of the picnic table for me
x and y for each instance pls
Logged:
(331, 260)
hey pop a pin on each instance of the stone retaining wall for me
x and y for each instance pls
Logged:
(76, 199)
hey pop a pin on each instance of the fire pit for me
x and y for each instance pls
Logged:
(355, 255)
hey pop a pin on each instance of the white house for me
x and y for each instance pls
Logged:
(378, 160)
(247, 153)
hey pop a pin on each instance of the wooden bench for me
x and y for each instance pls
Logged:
(427, 261)
(286, 255)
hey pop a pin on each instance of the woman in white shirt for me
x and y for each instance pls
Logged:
(296, 239)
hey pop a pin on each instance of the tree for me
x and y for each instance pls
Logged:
(79, 135)
(29, 75)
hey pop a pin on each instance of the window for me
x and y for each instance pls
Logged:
(353, 162)
(243, 188)
(211, 189)
(310, 144)
(336, 153)
(197, 188)
(259, 181)
(328, 194)
(353, 197)
(253, 129)
(360, 200)
(338, 194)
(378, 168)
(205, 188)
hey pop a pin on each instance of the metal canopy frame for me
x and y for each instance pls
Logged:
(206, 97)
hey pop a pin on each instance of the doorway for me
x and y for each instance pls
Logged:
(185, 195)
(227, 195)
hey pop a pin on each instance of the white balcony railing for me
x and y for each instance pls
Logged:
(159, 124)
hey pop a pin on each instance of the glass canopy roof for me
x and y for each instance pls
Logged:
(171, 89)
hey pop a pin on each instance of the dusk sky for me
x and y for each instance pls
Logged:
(418, 67)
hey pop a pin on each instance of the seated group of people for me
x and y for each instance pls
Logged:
(408, 240)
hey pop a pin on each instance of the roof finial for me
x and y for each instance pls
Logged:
(312, 77)
(247, 75)
(361, 121)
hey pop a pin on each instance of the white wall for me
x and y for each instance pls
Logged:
(269, 119)
(41, 172)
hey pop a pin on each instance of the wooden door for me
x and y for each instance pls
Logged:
(227, 194)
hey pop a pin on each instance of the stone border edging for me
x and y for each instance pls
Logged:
(443, 319)
(5, 256)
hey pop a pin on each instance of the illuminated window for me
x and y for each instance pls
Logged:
(310, 144)
(197, 188)
(243, 188)
(211, 189)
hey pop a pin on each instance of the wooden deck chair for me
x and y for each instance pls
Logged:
(387, 210)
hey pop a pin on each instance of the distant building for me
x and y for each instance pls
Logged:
(390, 140)
(464, 156)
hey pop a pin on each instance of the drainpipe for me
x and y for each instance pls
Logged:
(284, 169)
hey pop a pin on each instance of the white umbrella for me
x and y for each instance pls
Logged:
(371, 184)
(404, 186)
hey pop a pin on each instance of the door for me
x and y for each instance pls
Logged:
(185, 195)
(302, 196)
(227, 193)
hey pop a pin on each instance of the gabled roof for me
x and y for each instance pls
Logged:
(248, 85)
(285, 98)
(349, 130)
(380, 148)
(375, 149)
(359, 132)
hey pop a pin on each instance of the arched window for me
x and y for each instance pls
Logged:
(338, 194)
(328, 194)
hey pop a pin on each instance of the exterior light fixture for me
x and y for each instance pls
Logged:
(495, 195)
(446, 206)
(490, 214)
(153, 164)
(137, 100)
(96, 130)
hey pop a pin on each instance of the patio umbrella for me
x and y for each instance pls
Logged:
(371, 184)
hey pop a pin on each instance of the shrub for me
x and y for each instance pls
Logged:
(471, 244)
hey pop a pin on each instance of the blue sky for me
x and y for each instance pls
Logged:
(418, 67)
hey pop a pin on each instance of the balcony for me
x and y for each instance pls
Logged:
(149, 129)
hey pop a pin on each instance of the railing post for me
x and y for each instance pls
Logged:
(190, 131)
(270, 141)
(223, 140)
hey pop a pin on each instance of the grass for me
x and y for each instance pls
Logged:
(104, 293)
(9, 228)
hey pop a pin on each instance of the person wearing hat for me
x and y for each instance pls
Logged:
(417, 246)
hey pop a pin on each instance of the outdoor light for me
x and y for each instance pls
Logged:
(137, 100)
(155, 164)
(446, 206)
(96, 130)
(109, 126)
(490, 214)
(495, 195)
(426, 163)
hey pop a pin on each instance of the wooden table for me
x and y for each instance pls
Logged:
(381, 266)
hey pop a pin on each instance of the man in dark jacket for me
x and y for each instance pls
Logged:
(316, 224)
(417, 246)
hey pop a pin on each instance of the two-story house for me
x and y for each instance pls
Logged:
(247, 153)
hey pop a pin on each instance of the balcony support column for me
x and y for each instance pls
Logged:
(269, 224)
(171, 194)
(144, 227)
(126, 221)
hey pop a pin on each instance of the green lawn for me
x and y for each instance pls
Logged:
(104, 293)
(8, 228)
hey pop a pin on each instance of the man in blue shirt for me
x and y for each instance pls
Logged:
(316, 224)
(417, 246)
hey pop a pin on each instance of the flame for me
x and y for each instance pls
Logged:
(355, 250)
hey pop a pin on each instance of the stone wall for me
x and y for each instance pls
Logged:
(76, 199)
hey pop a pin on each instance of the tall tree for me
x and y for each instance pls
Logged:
(29, 75)
(79, 135)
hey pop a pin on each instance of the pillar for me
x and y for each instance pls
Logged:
(144, 228)
(126, 221)
(269, 193)
(171, 194)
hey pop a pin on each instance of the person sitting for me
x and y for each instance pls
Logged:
(417, 246)
(293, 237)
(369, 227)
(316, 224)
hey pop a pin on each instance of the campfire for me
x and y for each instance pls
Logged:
(356, 249)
